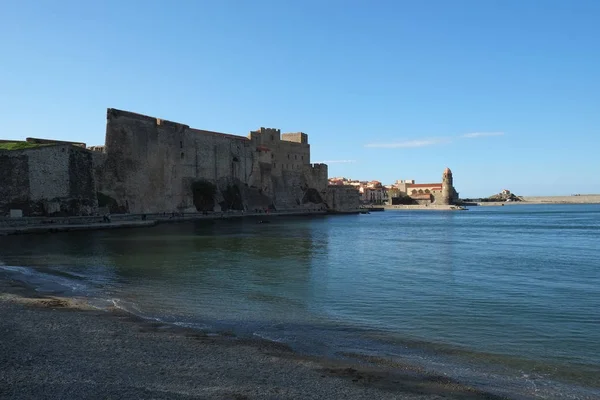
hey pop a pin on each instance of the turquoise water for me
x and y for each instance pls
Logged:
(505, 298)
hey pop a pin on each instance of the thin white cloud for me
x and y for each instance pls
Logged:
(481, 134)
(410, 143)
(335, 162)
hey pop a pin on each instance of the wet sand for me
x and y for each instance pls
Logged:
(52, 347)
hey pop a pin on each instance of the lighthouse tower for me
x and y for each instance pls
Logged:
(447, 187)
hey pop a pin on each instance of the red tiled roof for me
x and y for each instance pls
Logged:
(428, 185)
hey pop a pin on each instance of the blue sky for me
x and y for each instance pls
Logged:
(505, 93)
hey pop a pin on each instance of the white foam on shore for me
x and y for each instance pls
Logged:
(266, 337)
(192, 325)
(40, 279)
(21, 270)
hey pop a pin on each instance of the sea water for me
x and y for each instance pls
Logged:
(504, 298)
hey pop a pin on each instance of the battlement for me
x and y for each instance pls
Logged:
(295, 137)
(319, 166)
(263, 135)
(269, 130)
(99, 149)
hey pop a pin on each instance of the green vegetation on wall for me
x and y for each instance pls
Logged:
(18, 145)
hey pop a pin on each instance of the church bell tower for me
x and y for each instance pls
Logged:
(447, 187)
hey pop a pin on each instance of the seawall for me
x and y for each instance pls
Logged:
(18, 226)
(582, 199)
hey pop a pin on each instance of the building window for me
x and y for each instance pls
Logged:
(181, 145)
(302, 158)
(182, 155)
(295, 156)
(272, 156)
(288, 156)
(272, 137)
(274, 165)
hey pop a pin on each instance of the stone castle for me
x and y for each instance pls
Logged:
(150, 165)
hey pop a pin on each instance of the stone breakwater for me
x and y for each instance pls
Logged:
(580, 199)
(583, 199)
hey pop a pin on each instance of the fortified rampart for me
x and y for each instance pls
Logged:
(154, 165)
(343, 198)
(47, 180)
(151, 165)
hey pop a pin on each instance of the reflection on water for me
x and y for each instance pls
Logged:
(486, 293)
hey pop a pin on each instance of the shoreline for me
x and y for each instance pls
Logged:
(61, 346)
(429, 207)
(32, 225)
(550, 200)
(123, 221)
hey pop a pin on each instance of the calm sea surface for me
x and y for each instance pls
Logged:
(504, 298)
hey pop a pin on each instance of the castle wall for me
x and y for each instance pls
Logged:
(152, 164)
(14, 181)
(48, 180)
(48, 172)
(342, 198)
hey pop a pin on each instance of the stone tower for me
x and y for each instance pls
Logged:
(447, 187)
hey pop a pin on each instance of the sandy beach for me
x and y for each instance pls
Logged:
(61, 348)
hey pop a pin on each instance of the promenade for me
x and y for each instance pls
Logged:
(26, 225)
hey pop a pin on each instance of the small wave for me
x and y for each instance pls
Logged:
(44, 282)
(269, 338)
(134, 309)
(193, 325)
(21, 270)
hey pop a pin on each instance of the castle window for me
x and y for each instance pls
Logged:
(288, 156)
(272, 137)
(182, 155)
(181, 145)
(274, 165)
(272, 156)
(302, 157)
(295, 156)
